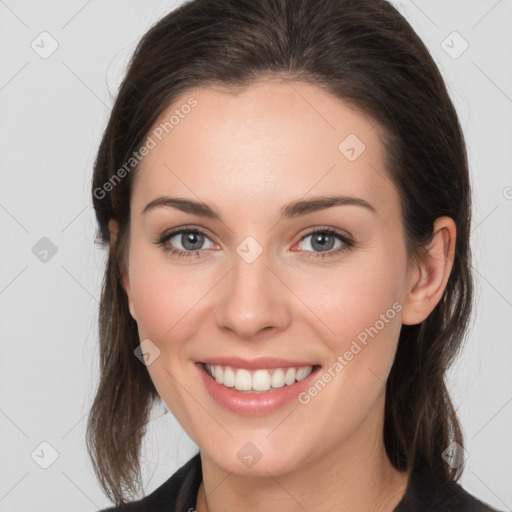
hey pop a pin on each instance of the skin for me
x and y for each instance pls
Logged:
(247, 155)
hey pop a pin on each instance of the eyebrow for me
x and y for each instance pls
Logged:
(291, 210)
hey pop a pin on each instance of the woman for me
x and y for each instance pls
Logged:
(283, 187)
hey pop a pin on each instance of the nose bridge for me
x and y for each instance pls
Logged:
(253, 298)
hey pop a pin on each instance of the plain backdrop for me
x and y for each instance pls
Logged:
(53, 111)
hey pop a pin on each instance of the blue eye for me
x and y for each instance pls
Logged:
(325, 239)
(192, 241)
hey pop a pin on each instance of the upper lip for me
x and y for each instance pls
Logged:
(254, 364)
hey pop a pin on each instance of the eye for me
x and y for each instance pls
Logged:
(324, 240)
(191, 241)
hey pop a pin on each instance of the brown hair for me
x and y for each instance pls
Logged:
(363, 52)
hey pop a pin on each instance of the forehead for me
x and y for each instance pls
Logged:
(272, 141)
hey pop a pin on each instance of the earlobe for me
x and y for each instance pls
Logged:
(113, 228)
(429, 278)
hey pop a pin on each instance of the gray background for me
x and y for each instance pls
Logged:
(53, 111)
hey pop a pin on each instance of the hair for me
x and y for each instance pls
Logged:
(366, 54)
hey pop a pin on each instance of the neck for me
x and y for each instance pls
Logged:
(355, 475)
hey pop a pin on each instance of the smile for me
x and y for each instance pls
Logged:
(259, 380)
(257, 390)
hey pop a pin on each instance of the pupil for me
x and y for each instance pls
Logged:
(326, 239)
(189, 238)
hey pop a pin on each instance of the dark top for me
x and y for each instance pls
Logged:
(179, 494)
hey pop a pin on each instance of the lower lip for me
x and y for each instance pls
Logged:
(253, 404)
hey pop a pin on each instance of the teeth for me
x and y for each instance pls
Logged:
(243, 380)
(261, 380)
(228, 379)
(290, 376)
(258, 380)
(302, 373)
(277, 380)
(218, 374)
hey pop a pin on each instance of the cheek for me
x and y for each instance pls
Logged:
(350, 299)
(166, 296)
(167, 305)
(357, 311)
(157, 303)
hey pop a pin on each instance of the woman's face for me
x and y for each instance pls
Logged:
(254, 284)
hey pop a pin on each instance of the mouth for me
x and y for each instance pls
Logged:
(258, 380)
(258, 389)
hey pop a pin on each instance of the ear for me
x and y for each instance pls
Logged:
(428, 278)
(113, 228)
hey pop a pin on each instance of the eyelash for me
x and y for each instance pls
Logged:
(348, 243)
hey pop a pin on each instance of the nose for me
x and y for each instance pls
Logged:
(253, 300)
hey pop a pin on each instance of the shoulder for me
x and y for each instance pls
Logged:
(471, 501)
(457, 498)
(178, 493)
(426, 493)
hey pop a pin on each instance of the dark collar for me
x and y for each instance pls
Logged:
(424, 493)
